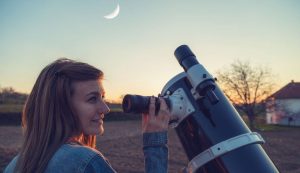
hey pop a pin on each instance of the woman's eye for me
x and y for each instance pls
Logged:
(95, 99)
(92, 99)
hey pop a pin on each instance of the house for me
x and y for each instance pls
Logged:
(283, 107)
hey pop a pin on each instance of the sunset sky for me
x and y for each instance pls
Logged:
(135, 49)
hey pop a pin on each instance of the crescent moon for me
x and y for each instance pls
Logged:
(114, 14)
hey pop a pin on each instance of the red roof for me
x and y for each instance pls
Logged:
(291, 90)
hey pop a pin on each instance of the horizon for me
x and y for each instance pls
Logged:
(135, 49)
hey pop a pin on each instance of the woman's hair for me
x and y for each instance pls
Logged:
(48, 118)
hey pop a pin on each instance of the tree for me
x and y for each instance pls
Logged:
(8, 95)
(246, 86)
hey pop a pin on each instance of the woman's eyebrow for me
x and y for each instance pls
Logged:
(93, 93)
(96, 93)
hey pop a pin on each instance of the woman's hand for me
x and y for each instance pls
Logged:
(159, 122)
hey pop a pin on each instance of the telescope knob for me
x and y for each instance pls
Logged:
(212, 97)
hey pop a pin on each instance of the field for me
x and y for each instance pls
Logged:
(121, 144)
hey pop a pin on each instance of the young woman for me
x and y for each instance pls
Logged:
(62, 116)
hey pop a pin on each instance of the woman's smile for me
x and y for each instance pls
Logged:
(99, 120)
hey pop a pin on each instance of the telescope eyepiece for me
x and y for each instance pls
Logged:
(140, 104)
(135, 103)
(183, 52)
(185, 57)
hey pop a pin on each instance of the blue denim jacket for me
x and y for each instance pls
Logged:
(71, 158)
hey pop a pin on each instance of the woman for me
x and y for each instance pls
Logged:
(62, 116)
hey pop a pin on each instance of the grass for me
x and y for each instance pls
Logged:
(11, 108)
(116, 109)
(271, 127)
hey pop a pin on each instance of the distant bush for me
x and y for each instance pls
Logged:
(9, 96)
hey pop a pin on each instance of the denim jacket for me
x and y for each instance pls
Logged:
(70, 158)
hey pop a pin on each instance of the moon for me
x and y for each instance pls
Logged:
(114, 14)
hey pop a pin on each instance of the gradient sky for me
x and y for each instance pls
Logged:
(135, 50)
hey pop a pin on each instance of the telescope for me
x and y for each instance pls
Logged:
(211, 131)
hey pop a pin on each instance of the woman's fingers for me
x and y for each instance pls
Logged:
(164, 112)
(152, 106)
(159, 122)
(163, 104)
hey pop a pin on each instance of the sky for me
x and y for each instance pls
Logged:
(135, 50)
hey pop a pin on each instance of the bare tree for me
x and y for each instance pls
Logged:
(246, 86)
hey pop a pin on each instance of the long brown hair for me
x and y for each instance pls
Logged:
(48, 119)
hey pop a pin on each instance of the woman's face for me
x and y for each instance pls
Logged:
(89, 106)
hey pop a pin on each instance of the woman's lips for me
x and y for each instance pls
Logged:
(98, 121)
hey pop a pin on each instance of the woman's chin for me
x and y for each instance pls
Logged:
(96, 131)
(101, 131)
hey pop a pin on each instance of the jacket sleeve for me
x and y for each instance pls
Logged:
(155, 152)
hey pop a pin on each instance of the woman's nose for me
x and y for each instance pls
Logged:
(104, 108)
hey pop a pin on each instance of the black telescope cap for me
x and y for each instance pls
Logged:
(183, 52)
(185, 57)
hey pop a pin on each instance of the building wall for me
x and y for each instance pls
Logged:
(283, 111)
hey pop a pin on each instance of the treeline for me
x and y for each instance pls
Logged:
(9, 96)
